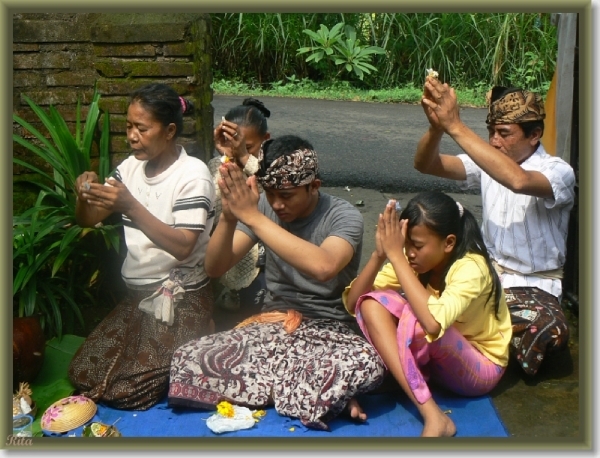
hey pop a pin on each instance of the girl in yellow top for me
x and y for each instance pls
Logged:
(436, 310)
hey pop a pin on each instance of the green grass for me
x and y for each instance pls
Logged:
(307, 89)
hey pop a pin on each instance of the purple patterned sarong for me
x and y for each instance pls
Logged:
(309, 374)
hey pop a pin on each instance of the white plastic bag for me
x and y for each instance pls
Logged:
(242, 419)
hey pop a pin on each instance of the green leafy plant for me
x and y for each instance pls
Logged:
(529, 75)
(323, 41)
(353, 56)
(55, 261)
(341, 48)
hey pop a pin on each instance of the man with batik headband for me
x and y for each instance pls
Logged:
(302, 353)
(527, 197)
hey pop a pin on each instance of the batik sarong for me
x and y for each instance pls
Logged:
(539, 326)
(126, 359)
(309, 374)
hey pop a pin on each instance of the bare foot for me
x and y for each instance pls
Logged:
(440, 426)
(355, 410)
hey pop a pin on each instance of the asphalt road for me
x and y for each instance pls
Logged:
(360, 144)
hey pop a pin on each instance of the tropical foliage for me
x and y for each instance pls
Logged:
(469, 50)
(341, 48)
(56, 262)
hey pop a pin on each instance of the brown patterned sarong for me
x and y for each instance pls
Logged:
(310, 373)
(125, 361)
(539, 326)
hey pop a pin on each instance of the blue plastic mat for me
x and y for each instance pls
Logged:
(389, 415)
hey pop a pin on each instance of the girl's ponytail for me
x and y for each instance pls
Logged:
(470, 240)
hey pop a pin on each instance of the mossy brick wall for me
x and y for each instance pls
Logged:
(59, 57)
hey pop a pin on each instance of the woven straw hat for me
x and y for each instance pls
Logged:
(67, 414)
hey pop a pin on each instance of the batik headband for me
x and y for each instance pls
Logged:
(290, 170)
(515, 107)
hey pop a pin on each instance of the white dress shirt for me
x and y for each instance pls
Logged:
(523, 233)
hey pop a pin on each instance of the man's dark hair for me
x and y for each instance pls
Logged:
(286, 144)
(530, 126)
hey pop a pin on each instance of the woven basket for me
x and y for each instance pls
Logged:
(67, 414)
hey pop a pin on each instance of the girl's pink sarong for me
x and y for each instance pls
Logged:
(451, 361)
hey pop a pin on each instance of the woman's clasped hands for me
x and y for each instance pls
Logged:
(115, 198)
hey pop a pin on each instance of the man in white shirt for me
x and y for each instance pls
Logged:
(527, 196)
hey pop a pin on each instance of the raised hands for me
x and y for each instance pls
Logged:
(239, 194)
(230, 141)
(391, 233)
(440, 104)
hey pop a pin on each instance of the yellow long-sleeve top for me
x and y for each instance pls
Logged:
(465, 304)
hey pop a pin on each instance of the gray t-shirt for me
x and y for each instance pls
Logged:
(287, 288)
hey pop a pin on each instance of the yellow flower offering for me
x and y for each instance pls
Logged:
(99, 429)
(233, 418)
(225, 409)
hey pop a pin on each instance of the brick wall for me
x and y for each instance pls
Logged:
(59, 57)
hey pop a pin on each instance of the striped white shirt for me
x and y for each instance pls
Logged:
(524, 233)
(182, 197)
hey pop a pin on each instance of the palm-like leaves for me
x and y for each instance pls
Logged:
(355, 57)
(68, 156)
(347, 54)
(54, 263)
(323, 40)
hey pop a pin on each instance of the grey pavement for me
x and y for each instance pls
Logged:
(370, 145)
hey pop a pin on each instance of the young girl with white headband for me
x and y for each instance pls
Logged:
(238, 138)
(436, 311)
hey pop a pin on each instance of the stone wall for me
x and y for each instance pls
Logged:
(59, 57)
